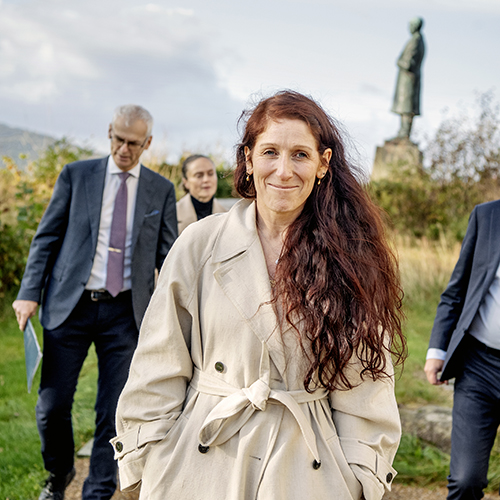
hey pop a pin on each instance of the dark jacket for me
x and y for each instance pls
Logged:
(63, 248)
(469, 284)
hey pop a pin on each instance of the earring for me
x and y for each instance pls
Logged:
(319, 182)
(248, 177)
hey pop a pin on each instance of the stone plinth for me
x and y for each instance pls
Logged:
(395, 152)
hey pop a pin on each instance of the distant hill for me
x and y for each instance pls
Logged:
(16, 141)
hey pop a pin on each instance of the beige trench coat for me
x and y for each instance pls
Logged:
(186, 214)
(214, 406)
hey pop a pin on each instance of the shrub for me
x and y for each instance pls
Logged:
(225, 186)
(24, 195)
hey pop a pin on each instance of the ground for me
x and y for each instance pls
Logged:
(399, 492)
(74, 491)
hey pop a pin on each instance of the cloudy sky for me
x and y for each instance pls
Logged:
(196, 64)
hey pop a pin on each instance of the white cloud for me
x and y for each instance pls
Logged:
(65, 69)
(477, 6)
(418, 6)
(36, 61)
(158, 9)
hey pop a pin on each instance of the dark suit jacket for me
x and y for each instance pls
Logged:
(469, 283)
(63, 248)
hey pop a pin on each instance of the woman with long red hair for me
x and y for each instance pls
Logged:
(264, 368)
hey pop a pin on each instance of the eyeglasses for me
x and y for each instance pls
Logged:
(132, 145)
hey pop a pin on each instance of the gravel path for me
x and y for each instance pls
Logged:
(399, 492)
(74, 490)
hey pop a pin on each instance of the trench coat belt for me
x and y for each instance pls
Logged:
(238, 405)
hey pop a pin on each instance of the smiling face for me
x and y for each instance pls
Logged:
(285, 164)
(128, 142)
(201, 179)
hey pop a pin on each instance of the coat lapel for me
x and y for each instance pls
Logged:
(144, 195)
(493, 247)
(94, 186)
(243, 277)
(186, 214)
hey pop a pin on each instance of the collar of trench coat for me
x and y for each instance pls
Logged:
(239, 252)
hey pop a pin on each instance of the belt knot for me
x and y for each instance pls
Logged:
(238, 405)
(258, 394)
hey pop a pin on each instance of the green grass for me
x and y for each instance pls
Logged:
(425, 271)
(417, 462)
(412, 387)
(420, 464)
(21, 466)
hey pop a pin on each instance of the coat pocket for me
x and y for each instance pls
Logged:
(152, 214)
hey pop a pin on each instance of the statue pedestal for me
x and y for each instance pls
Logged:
(394, 152)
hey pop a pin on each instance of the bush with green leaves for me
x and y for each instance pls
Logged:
(24, 195)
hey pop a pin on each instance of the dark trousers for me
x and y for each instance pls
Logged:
(476, 417)
(110, 325)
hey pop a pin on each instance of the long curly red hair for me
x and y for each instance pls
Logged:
(337, 273)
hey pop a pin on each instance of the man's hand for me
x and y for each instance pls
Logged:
(432, 368)
(24, 309)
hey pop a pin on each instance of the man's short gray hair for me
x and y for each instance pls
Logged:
(133, 112)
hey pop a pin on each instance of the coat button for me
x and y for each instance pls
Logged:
(203, 449)
(389, 477)
(219, 366)
(119, 446)
(316, 465)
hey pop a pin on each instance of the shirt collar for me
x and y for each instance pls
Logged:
(113, 168)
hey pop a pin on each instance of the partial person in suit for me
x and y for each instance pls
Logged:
(109, 225)
(465, 344)
(199, 179)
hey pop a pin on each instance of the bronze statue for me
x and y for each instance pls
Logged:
(407, 95)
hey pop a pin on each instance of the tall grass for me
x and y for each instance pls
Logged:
(425, 270)
(425, 267)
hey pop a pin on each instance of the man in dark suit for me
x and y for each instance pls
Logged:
(465, 344)
(109, 225)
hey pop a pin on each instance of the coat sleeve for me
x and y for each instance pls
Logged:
(453, 298)
(369, 428)
(47, 240)
(161, 368)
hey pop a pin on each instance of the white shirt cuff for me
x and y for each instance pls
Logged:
(433, 353)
